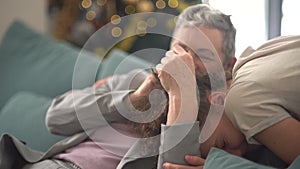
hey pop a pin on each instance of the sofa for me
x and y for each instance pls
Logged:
(35, 68)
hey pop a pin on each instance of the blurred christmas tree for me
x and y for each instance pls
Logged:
(76, 20)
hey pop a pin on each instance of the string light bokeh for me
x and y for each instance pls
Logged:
(87, 16)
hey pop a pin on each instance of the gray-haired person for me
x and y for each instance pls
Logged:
(90, 143)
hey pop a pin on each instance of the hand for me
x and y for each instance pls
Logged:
(147, 86)
(142, 93)
(177, 71)
(101, 82)
(194, 162)
(177, 76)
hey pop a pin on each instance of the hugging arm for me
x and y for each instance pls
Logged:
(270, 124)
(180, 136)
(283, 139)
(92, 107)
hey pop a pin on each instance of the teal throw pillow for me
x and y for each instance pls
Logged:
(119, 62)
(24, 117)
(219, 159)
(33, 62)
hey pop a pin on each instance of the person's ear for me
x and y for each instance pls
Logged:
(217, 98)
(230, 64)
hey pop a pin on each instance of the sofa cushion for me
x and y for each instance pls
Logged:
(295, 164)
(119, 62)
(33, 62)
(23, 116)
(218, 158)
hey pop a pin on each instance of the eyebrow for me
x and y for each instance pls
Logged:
(199, 50)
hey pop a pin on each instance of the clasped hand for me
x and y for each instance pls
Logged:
(177, 72)
(177, 76)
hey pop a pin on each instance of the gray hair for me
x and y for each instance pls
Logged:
(204, 15)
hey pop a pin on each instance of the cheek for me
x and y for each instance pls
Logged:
(212, 141)
(240, 139)
(235, 139)
(204, 149)
(208, 144)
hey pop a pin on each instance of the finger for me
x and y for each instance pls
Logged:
(194, 160)
(170, 54)
(158, 67)
(164, 60)
(154, 78)
(101, 82)
(178, 49)
(177, 166)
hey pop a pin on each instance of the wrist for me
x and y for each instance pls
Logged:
(182, 109)
(174, 109)
(186, 94)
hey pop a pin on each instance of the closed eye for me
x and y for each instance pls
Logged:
(206, 55)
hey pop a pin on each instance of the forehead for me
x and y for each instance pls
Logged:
(200, 38)
(191, 36)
